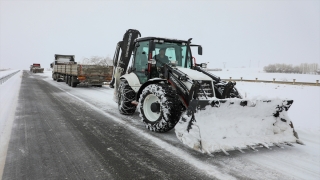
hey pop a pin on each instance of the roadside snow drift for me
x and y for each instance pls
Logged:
(230, 125)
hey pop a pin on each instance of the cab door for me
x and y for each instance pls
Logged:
(140, 62)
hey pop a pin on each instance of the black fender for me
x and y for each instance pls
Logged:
(151, 81)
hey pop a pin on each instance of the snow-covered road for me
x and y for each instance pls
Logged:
(300, 162)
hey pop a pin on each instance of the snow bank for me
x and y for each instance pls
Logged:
(9, 92)
(7, 72)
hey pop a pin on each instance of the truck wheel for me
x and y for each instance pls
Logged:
(57, 78)
(125, 96)
(160, 107)
(69, 80)
(73, 83)
(66, 79)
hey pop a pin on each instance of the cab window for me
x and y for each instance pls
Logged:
(140, 64)
(175, 52)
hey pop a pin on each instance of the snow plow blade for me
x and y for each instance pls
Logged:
(222, 125)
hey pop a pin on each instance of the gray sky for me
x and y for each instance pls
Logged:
(236, 32)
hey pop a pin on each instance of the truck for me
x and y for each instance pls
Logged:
(65, 68)
(160, 78)
(36, 68)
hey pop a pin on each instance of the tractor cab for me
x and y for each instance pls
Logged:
(151, 53)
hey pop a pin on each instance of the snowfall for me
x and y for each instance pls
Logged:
(299, 162)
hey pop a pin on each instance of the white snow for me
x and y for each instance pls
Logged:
(304, 161)
(300, 162)
(7, 72)
(9, 92)
(231, 126)
(194, 74)
(253, 73)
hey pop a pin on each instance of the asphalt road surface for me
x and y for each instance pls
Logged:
(55, 136)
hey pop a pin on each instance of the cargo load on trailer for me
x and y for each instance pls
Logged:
(170, 90)
(64, 68)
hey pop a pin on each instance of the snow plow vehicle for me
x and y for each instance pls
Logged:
(171, 91)
(36, 68)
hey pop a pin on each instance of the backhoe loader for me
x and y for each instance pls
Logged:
(209, 115)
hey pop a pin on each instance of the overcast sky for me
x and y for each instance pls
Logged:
(239, 33)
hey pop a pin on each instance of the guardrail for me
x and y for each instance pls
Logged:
(276, 82)
(5, 78)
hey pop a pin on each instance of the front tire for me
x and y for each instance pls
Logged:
(160, 107)
(125, 96)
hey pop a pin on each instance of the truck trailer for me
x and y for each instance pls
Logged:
(64, 68)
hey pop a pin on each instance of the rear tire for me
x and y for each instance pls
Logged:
(73, 83)
(125, 96)
(66, 79)
(165, 118)
(69, 80)
(57, 78)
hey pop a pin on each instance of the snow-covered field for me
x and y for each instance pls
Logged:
(253, 73)
(304, 112)
(301, 162)
(6, 72)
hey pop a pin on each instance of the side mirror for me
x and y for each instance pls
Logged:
(202, 65)
(51, 65)
(200, 50)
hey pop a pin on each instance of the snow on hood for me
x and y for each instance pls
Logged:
(193, 74)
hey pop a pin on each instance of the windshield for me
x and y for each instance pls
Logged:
(172, 52)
